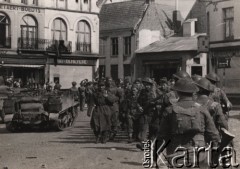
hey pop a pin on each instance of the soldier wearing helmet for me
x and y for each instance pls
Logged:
(74, 91)
(214, 108)
(196, 77)
(218, 95)
(149, 120)
(186, 124)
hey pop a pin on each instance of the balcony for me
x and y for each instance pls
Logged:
(61, 45)
(33, 45)
(5, 42)
(83, 48)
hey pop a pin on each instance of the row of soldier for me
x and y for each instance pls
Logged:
(188, 111)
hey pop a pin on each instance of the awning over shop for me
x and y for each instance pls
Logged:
(172, 44)
(23, 66)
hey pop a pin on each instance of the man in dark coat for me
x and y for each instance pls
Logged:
(101, 115)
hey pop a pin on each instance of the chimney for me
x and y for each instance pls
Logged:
(177, 18)
(189, 27)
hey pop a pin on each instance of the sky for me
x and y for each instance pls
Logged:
(183, 5)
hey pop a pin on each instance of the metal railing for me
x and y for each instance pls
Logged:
(83, 47)
(35, 44)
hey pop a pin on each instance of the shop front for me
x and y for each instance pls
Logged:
(69, 69)
(25, 69)
(226, 62)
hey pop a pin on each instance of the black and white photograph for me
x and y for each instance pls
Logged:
(119, 84)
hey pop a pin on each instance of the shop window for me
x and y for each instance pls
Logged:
(114, 47)
(5, 39)
(114, 72)
(127, 46)
(229, 22)
(127, 70)
(196, 70)
(59, 30)
(83, 34)
(29, 32)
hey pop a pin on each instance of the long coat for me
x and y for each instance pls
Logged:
(101, 115)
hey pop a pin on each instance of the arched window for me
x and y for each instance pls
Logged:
(59, 29)
(29, 32)
(83, 34)
(5, 40)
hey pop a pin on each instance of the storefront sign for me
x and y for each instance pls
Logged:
(20, 8)
(224, 62)
(76, 62)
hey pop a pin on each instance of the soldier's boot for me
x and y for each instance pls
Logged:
(130, 138)
(97, 139)
(140, 146)
(104, 137)
(112, 136)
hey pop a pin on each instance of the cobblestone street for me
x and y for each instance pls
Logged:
(75, 149)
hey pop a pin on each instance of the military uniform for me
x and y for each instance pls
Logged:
(187, 124)
(218, 95)
(119, 95)
(149, 120)
(82, 96)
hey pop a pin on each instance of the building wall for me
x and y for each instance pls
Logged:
(44, 13)
(198, 11)
(150, 29)
(221, 47)
(216, 20)
(120, 59)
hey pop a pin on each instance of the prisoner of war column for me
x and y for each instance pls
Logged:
(186, 124)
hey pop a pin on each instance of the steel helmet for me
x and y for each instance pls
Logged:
(147, 80)
(196, 77)
(181, 74)
(185, 85)
(205, 84)
(213, 76)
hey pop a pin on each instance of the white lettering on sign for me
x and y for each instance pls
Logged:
(19, 8)
(75, 62)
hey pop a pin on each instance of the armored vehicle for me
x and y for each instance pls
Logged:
(40, 110)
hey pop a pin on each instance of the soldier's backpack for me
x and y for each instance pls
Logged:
(186, 121)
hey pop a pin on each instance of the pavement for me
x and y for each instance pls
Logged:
(71, 149)
(75, 148)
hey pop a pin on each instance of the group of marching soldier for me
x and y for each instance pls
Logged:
(187, 111)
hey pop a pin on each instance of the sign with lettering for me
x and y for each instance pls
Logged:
(76, 62)
(20, 8)
(203, 44)
(224, 62)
